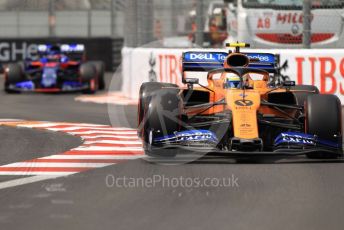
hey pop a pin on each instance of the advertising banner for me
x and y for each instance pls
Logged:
(320, 67)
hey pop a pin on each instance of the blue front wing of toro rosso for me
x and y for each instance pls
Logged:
(48, 83)
(67, 86)
(288, 143)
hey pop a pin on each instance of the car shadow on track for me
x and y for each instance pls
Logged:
(269, 161)
(225, 160)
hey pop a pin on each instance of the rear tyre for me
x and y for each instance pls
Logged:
(146, 90)
(14, 74)
(323, 119)
(162, 118)
(88, 75)
(100, 68)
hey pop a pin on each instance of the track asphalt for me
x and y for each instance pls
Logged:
(290, 194)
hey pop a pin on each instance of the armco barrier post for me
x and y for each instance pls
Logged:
(307, 20)
(146, 22)
(130, 30)
(199, 22)
(52, 18)
(117, 45)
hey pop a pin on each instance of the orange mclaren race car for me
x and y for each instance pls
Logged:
(247, 109)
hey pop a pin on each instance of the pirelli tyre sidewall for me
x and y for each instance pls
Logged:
(162, 117)
(88, 74)
(14, 74)
(147, 89)
(323, 119)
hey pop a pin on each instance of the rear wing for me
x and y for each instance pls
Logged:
(73, 48)
(63, 48)
(203, 61)
(207, 61)
(264, 61)
(73, 51)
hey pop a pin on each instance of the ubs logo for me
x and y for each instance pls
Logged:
(243, 103)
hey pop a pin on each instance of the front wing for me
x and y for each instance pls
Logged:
(30, 86)
(288, 144)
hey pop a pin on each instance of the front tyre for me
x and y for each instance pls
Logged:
(88, 76)
(323, 119)
(14, 74)
(148, 89)
(100, 69)
(162, 118)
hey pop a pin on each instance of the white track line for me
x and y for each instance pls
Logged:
(86, 124)
(66, 129)
(10, 120)
(100, 148)
(55, 165)
(110, 136)
(39, 125)
(29, 173)
(51, 125)
(105, 132)
(94, 157)
(113, 142)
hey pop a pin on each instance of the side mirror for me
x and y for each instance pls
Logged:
(191, 81)
(288, 83)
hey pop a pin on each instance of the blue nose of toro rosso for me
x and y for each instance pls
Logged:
(49, 77)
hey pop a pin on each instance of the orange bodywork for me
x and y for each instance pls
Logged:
(243, 104)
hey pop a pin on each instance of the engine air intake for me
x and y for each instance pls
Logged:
(237, 60)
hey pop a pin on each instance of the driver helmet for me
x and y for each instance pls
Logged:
(232, 81)
(54, 53)
(55, 49)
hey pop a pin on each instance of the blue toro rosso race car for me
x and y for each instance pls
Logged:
(248, 109)
(58, 68)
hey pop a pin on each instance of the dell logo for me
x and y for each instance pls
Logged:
(202, 56)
